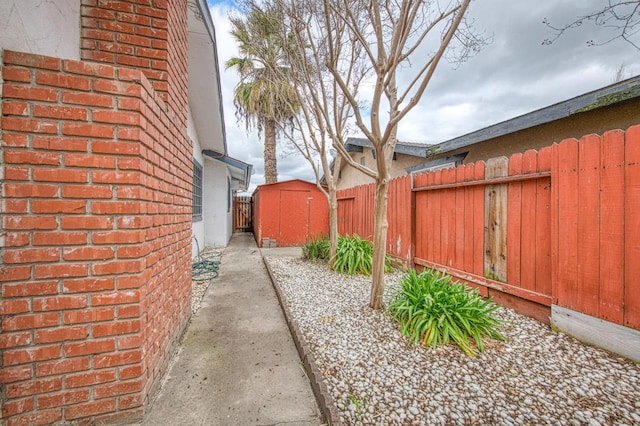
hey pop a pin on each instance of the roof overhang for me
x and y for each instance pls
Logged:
(441, 163)
(413, 149)
(240, 171)
(205, 96)
(609, 95)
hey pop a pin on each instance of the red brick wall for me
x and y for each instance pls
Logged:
(96, 223)
(130, 33)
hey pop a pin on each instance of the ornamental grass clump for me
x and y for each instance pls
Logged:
(355, 256)
(433, 310)
(316, 248)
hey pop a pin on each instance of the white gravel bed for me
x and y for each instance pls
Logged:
(537, 376)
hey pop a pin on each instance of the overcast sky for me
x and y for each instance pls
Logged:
(514, 75)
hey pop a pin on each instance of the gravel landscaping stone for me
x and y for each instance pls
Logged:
(199, 288)
(537, 376)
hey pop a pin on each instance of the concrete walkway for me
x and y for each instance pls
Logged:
(238, 364)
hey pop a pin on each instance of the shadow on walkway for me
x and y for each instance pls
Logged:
(237, 364)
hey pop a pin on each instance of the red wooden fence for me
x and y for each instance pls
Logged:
(559, 226)
(596, 242)
(355, 215)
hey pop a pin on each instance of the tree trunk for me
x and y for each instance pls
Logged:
(333, 226)
(270, 163)
(380, 226)
(332, 183)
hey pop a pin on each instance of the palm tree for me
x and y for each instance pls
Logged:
(262, 97)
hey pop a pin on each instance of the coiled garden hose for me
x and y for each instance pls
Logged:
(203, 269)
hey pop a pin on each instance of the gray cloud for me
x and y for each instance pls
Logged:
(514, 75)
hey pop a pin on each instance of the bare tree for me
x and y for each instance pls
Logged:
(369, 43)
(325, 112)
(622, 16)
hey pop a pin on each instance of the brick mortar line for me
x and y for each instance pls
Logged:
(328, 408)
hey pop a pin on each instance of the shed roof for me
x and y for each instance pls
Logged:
(285, 183)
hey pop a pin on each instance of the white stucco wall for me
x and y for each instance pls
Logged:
(217, 215)
(197, 228)
(216, 226)
(43, 27)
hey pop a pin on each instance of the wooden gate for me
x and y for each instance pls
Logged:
(242, 214)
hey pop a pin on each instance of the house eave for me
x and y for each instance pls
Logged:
(240, 171)
(204, 88)
(413, 149)
(609, 95)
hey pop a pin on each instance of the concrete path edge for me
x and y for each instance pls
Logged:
(324, 399)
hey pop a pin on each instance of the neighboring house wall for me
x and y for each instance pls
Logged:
(97, 180)
(41, 27)
(351, 177)
(616, 116)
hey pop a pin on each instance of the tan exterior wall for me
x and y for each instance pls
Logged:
(351, 177)
(619, 116)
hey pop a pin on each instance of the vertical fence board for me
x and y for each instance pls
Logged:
(399, 220)
(460, 210)
(419, 217)
(478, 221)
(370, 211)
(632, 229)
(444, 222)
(495, 259)
(437, 217)
(448, 242)
(392, 216)
(425, 249)
(468, 220)
(555, 225)
(528, 231)
(568, 223)
(612, 227)
(543, 225)
(588, 223)
(514, 221)
(409, 209)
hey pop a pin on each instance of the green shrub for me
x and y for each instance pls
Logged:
(432, 310)
(355, 256)
(316, 248)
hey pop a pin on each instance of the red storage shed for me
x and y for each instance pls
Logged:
(288, 213)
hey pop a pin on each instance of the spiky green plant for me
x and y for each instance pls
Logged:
(316, 248)
(354, 256)
(433, 310)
